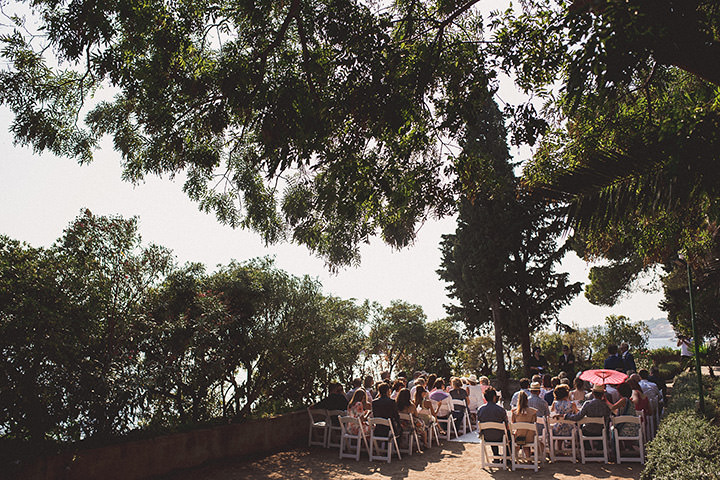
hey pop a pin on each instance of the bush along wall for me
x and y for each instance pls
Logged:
(687, 445)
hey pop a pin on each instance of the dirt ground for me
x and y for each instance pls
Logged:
(449, 461)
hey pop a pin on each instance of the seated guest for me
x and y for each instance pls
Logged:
(356, 409)
(561, 406)
(385, 407)
(368, 386)
(396, 387)
(524, 413)
(539, 404)
(640, 400)
(356, 383)
(658, 380)
(458, 393)
(578, 394)
(623, 407)
(549, 395)
(524, 387)
(595, 408)
(419, 382)
(424, 406)
(613, 361)
(611, 394)
(492, 412)
(475, 394)
(335, 400)
(405, 405)
(438, 394)
(648, 387)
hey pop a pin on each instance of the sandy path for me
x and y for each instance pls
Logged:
(447, 462)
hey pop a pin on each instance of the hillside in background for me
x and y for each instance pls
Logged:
(660, 328)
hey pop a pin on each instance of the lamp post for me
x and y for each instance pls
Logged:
(695, 337)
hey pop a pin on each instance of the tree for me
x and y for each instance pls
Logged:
(324, 122)
(71, 318)
(398, 333)
(618, 329)
(477, 355)
(439, 349)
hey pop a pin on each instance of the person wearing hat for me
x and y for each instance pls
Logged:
(594, 408)
(537, 402)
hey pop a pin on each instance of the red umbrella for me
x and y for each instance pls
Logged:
(603, 377)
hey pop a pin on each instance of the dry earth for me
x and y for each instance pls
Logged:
(447, 462)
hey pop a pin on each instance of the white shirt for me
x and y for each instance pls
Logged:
(685, 349)
(650, 389)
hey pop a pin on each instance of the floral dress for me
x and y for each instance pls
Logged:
(562, 407)
(356, 410)
(628, 429)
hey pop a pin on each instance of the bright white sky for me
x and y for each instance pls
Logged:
(41, 194)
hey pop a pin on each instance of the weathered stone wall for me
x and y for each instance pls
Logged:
(161, 455)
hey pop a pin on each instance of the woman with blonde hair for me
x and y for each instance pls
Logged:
(524, 413)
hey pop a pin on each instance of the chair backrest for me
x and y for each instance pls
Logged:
(333, 415)
(458, 404)
(492, 426)
(378, 421)
(597, 420)
(346, 421)
(625, 419)
(317, 415)
(514, 427)
(442, 408)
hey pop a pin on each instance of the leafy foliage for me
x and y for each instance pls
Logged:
(322, 122)
(686, 445)
(618, 329)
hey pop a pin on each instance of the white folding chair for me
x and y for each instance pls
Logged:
(466, 425)
(318, 424)
(503, 454)
(351, 444)
(412, 437)
(591, 455)
(432, 429)
(616, 423)
(655, 405)
(535, 445)
(558, 454)
(383, 444)
(448, 423)
(334, 428)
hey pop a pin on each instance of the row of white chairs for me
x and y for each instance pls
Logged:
(556, 445)
(326, 433)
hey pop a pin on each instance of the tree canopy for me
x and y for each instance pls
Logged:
(323, 122)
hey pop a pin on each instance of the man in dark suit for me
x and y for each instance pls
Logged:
(613, 361)
(567, 362)
(385, 407)
(627, 358)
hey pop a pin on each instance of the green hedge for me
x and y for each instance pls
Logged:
(687, 445)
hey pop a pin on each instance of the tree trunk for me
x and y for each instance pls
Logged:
(525, 345)
(494, 300)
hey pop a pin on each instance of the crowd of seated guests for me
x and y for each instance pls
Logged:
(425, 397)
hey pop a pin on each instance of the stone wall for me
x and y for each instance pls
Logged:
(161, 455)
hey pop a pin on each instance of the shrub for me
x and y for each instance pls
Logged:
(670, 369)
(685, 448)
